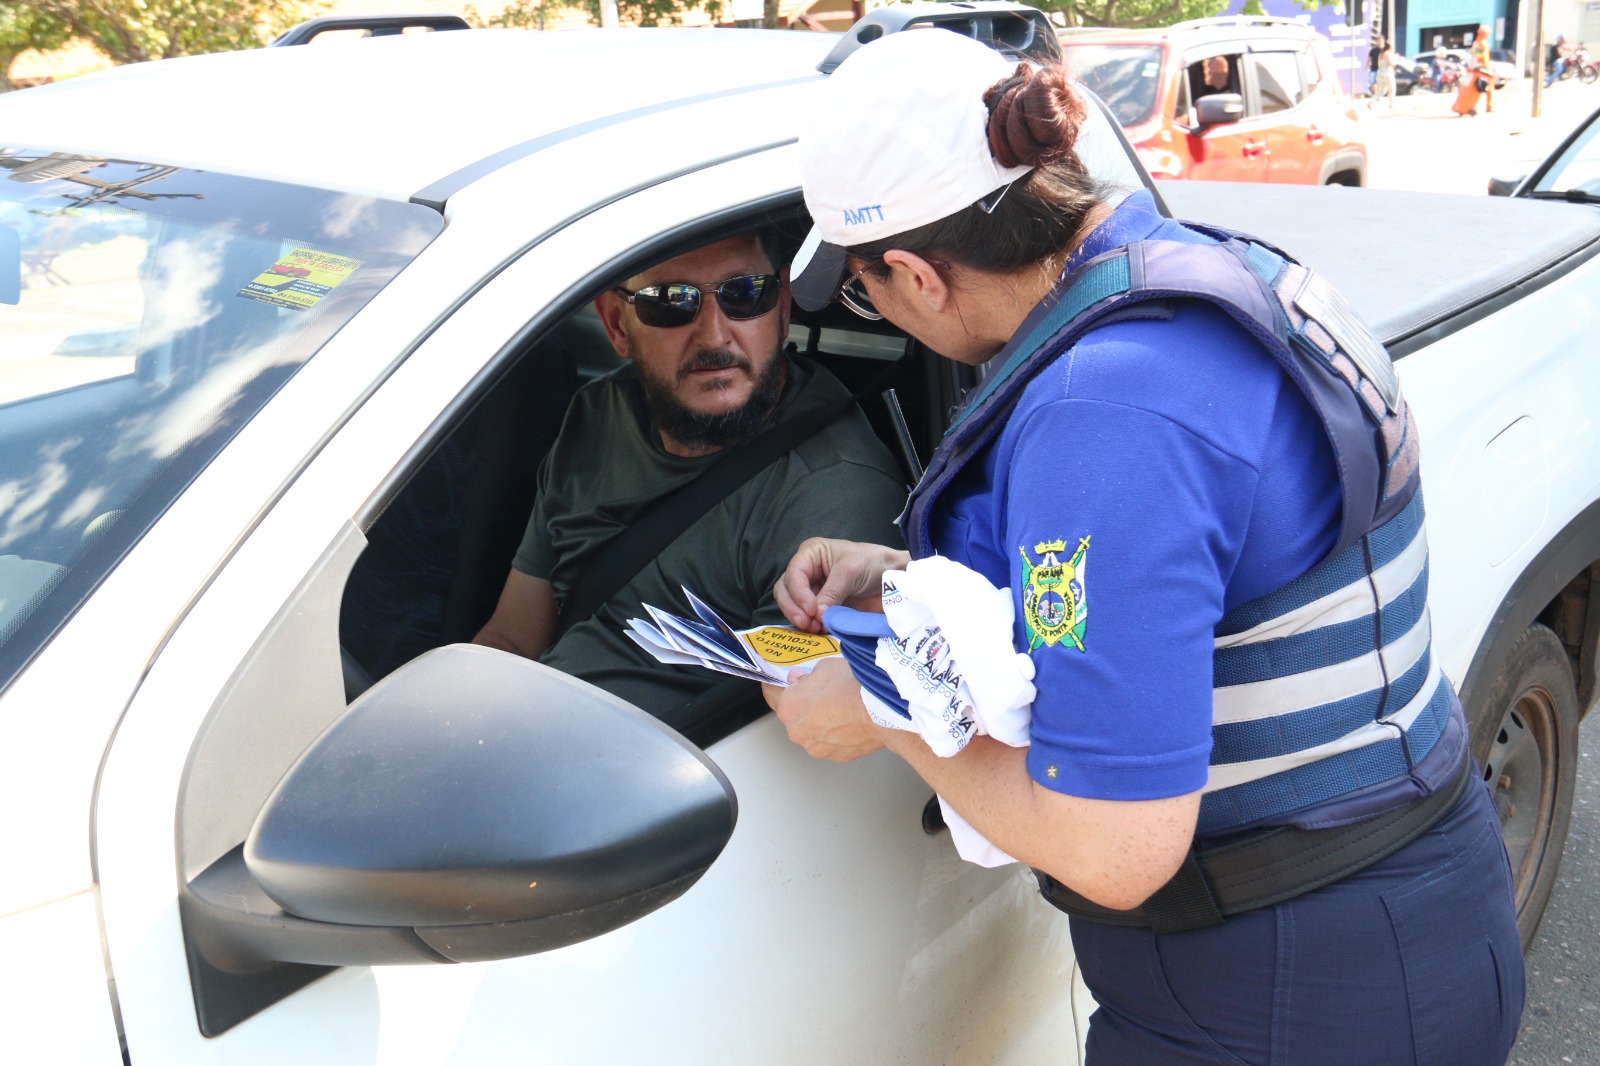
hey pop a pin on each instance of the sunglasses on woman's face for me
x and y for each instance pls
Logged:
(678, 303)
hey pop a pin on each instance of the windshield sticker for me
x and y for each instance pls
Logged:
(1150, 70)
(300, 278)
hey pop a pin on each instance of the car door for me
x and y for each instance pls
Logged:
(1293, 146)
(1234, 151)
(833, 928)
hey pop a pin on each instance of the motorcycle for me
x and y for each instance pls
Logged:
(1577, 64)
(1441, 79)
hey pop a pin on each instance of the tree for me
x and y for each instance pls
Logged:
(534, 14)
(22, 29)
(1139, 14)
(131, 31)
(1132, 14)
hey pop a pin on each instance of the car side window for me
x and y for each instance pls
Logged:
(1277, 80)
(437, 559)
(1214, 74)
(1310, 71)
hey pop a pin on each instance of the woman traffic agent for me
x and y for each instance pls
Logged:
(1247, 781)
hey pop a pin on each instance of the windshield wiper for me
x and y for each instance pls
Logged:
(1571, 196)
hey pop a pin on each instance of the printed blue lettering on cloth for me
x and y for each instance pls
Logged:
(940, 662)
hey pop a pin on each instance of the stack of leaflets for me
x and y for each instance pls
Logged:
(766, 654)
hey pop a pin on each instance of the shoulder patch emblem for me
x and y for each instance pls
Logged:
(1055, 605)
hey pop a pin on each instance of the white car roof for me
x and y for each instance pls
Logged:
(392, 116)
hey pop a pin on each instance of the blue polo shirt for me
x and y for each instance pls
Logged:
(1172, 471)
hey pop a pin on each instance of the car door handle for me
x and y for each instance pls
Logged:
(1314, 136)
(1253, 149)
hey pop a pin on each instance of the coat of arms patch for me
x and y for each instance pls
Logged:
(1055, 605)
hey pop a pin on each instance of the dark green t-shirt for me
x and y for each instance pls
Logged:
(608, 465)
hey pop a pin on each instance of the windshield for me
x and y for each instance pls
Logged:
(146, 314)
(1126, 76)
(1577, 167)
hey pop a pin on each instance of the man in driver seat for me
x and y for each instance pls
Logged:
(703, 336)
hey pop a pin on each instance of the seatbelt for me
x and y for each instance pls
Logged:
(663, 522)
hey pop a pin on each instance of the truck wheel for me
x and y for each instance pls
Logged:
(1525, 736)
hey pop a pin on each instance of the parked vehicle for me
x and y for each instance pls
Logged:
(1275, 114)
(1585, 68)
(1411, 77)
(1505, 71)
(1505, 67)
(195, 519)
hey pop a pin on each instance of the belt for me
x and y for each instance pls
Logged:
(1266, 867)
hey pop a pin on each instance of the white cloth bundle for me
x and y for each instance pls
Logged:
(953, 663)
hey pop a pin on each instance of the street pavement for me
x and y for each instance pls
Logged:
(1561, 1022)
(1421, 145)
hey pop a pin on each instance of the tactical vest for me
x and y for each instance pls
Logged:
(1327, 700)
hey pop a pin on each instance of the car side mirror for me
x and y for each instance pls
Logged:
(473, 805)
(1219, 109)
(1503, 186)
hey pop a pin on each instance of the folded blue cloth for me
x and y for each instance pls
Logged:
(858, 633)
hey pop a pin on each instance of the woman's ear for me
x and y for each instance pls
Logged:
(919, 278)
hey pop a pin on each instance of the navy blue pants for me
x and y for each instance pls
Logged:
(1415, 960)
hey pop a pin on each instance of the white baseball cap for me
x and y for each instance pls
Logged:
(902, 140)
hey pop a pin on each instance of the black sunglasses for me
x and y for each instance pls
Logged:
(676, 304)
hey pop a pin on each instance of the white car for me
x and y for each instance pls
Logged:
(281, 334)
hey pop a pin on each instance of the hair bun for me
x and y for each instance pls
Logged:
(1034, 116)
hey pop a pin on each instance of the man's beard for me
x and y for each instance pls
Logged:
(709, 432)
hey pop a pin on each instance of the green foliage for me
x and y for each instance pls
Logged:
(22, 28)
(534, 14)
(131, 31)
(1141, 14)
(1132, 14)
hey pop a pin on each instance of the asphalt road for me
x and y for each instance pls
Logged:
(1422, 145)
(1561, 1022)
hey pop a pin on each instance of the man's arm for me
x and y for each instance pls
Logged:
(524, 621)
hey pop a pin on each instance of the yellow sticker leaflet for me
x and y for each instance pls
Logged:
(782, 646)
(768, 654)
(300, 278)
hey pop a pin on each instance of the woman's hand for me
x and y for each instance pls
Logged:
(823, 713)
(827, 573)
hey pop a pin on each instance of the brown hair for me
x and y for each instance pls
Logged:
(1034, 120)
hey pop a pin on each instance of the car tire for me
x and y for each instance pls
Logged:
(1525, 737)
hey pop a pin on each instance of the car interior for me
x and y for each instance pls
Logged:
(439, 552)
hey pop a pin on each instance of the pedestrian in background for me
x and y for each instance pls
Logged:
(1477, 80)
(1373, 52)
(1383, 79)
(1556, 60)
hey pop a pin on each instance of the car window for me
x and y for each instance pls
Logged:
(146, 313)
(436, 559)
(1183, 110)
(1578, 166)
(1277, 80)
(1127, 77)
(1213, 74)
(1310, 72)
